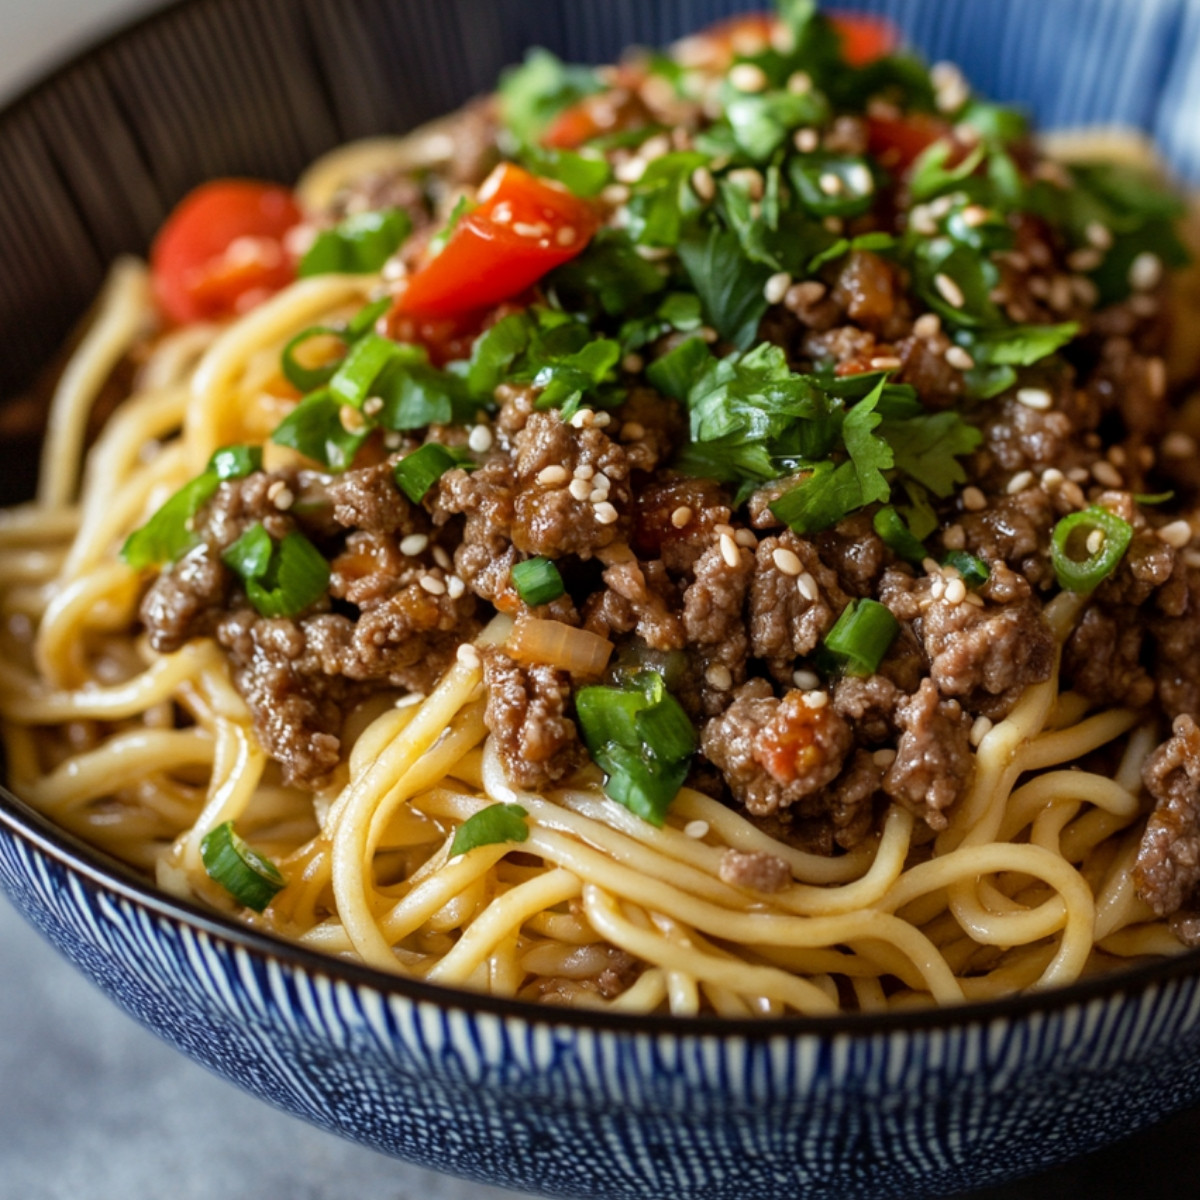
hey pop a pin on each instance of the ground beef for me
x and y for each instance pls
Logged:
(676, 520)
(714, 600)
(755, 870)
(186, 601)
(1175, 627)
(527, 714)
(368, 499)
(638, 598)
(868, 703)
(1167, 870)
(777, 753)
(854, 552)
(932, 767)
(1102, 658)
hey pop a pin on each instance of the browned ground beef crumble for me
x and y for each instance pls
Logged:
(731, 602)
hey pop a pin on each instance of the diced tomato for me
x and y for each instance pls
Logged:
(864, 38)
(521, 228)
(794, 742)
(897, 142)
(222, 250)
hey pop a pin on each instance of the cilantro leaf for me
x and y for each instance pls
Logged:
(535, 92)
(1018, 345)
(314, 428)
(870, 453)
(729, 285)
(491, 826)
(357, 245)
(927, 448)
(608, 278)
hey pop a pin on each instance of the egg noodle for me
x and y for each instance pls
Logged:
(142, 754)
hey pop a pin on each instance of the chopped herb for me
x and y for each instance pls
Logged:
(495, 825)
(974, 571)
(537, 581)
(357, 245)
(533, 94)
(584, 174)
(861, 636)
(729, 285)
(1081, 564)
(891, 527)
(315, 429)
(281, 578)
(246, 875)
(417, 472)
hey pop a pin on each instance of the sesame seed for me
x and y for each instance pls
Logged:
(787, 560)
(468, 656)
(393, 439)
(954, 537)
(1079, 475)
(455, 587)
(605, 513)
(974, 599)
(922, 221)
(729, 551)
(597, 494)
(567, 235)
(433, 585)
(1072, 494)
(931, 566)
(1033, 397)
(884, 758)
(655, 147)
(602, 482)
(633, 364)
(956, 591)
(720, 529)
(806, 680)
(631, 170)
(442, 558)
(282, 496)
(1145, 272)
(480, 439)
(703, 184)
(973, 499)
(414, 544)
(830, 183)
(1108, 475)
(1086, 292)
(802, 295)
(719, 677)
(1099, 235)
(1156, 377)
(959, 359)
(1177, 534)
(980, 730)
(373, 406)
(859, 179)
(745, 537)
(806, 140)
(885, 362)
(806, 585)
(799, 83)
(1178, 444)
(1052, 478)
(834, 225)
(582, 418)
(927, 325)
(1019, 482)
(696, 829)
(580, 489)
(681, 516)
(552, 475)
(815, 699)
(1095, 541)
(602, 420)
(776, 287)
(949, 290)
(707, 333)
(615, 194)
(747, 77)
(749, 180)
(351, 420)
(937, 589)
(974, 215)
(584, 471)
(1087, 259)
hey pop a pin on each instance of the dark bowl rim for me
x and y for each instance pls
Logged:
(102, 871)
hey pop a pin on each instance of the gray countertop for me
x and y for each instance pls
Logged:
(93, 1107)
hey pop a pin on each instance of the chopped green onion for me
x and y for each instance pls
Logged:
(420, 470)
(306, 379)
(236, 462)
(281, 578)
(168, 535)
(974, 571)
(861, 636)
(247, 876)
(490, 826)
(643, 741)
(537, 581)
(351, 383)
(894, 531)
(314, 428)
(358, 245)
(1082, 560)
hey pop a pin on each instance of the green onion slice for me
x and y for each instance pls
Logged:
(894, 531)
(281, 578)
(537, 581)
(351, 383)
(489, 827)
(420, 470)
(974, 571)
(1086, 547)
(168, 535)
(307, 379)
(861, 636)
(236, 462)
(247, 876)
(358, 245)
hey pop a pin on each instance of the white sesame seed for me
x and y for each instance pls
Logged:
(1117, 456)
(567, 235)
(703, 184)
(584, 471)
(719, 677)
(373, 406)
(884, 758)
(885, 362)
(393, 439)
(973, 499)
(1095, 541)
(1072, 495)
(958, 358)
(1086, 292)
(745, 537)
(1087, 259)
(708, 334)
(602, 420)
(1033, 397)
(351, 420)
(655, 147)
(480, 439)
(748, 77)
(859, 179)
(284, 498)
(615, 194)
(806, 680)
(931, 566)
(1099, 235)
(552, 475)
(1079, 474)
(806, 140)
(830, 183)
(927, 325)
(442, 558)
(696, 829)
(631, 170)
(974, 215)
(956, 591)
(1019, 482)
(1108, 475)
(834, 225)
(1052, 478)
(749, 180)
(468, 656)
(633, 364)
(954, 537)
(723, 528)
(605, 513)
(922, 221)
(799, 83)
(601, 481)
(1145, 272)
(806, 585)
(729, 551)
(681, 516)
(1156, 377)
(937, 589)
(815, 699)
(1178, 444)
(980, 730)
(950, 291)
(776, 287)
(787, 561)
(597, 494)
(580, 489)
(414, 544)
(455, 587)
(433, 585)
(1177, 534)
(974, 599)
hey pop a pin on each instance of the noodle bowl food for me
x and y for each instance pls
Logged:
(713, 534)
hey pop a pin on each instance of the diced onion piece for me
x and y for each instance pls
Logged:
(575, 650)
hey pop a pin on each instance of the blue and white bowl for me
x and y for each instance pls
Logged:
(563, 1103)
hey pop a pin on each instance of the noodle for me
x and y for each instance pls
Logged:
(1029, 883)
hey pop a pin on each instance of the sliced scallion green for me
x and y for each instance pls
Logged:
(861, 636)
(1086, 547)
(537, 581)
(420, 470)
(351, 383)
(246, 875)
(974, 571)
(894, 531)
(281, 578)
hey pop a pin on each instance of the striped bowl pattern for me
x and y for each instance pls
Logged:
(581, 1105)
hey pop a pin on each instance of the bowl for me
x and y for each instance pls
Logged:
(563, 1103)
